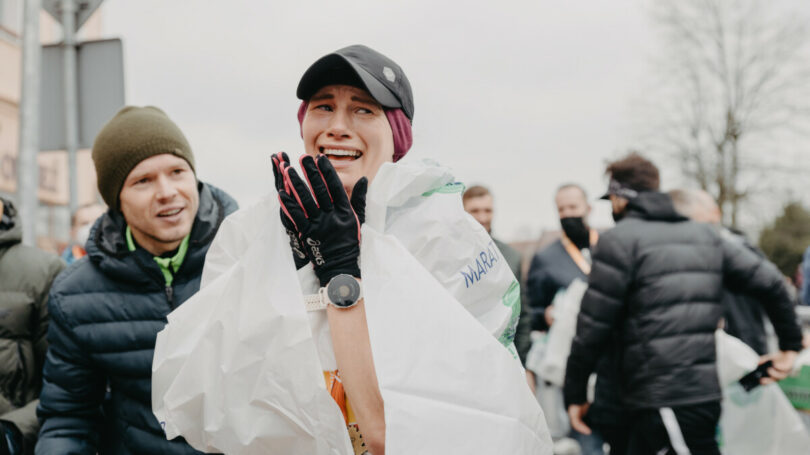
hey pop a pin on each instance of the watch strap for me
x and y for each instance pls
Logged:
(320, 300)
(316, 302)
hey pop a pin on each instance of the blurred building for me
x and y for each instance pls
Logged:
(54, 218)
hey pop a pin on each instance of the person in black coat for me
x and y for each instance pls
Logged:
(553, 269)
(656, 285)
(144, 259)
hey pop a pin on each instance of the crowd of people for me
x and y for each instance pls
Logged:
(660, 283)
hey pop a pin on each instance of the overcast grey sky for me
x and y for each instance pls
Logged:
(520, 96)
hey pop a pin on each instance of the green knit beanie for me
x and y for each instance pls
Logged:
(133, 135)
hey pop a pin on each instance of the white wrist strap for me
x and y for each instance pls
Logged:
(315, 302)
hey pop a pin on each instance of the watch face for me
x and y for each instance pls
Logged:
(343, 291)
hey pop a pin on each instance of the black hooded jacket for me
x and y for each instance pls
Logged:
(656, 287)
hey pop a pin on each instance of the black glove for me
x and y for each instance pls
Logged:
(281, 160)
(328, 225)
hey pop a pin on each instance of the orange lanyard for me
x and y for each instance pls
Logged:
(576, 254)
(78, 252)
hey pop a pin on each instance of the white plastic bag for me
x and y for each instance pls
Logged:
(236, 369)
(797, 385)
(537, 351)
(420, 205)
(447, 384)
(759, 422)
(561, 334)
(550, 398)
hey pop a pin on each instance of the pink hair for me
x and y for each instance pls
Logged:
(400, 127)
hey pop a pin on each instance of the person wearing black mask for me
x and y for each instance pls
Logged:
(554, 268)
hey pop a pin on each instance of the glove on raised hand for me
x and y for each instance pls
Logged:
(281, 160)
(328, 224)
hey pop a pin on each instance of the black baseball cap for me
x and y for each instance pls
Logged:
(363, 67)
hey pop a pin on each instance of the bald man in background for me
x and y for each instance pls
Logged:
(743, 314)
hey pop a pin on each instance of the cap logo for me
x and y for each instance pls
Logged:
(389, 74)
(618, 189)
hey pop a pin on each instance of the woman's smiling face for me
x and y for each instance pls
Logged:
(347, 125)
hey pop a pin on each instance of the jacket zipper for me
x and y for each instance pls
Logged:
(170, 296)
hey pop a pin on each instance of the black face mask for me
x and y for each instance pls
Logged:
(576, 231)
(617, 216)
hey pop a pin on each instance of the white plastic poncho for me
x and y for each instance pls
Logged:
(759, 422)
(239, 367)
(561, 334)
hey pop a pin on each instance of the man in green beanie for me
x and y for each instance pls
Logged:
(144, 259)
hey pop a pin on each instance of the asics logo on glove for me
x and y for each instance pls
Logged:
(295, 246)
(316, 252)
(320, 213)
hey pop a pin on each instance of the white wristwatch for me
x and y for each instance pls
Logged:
(342, 291)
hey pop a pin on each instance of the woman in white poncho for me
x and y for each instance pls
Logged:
(410, 369)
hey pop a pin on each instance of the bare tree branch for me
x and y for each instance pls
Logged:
(733, 76)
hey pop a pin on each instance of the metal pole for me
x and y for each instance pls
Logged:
(27, 167)
(71, 106)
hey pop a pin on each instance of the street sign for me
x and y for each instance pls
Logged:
(84, 9)
(100, 80)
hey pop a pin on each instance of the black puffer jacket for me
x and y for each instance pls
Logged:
(657, 284)
(105, 315)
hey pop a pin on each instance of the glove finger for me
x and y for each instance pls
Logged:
(293, 212)
(300, 191)
(279, 159)
(286, 221)
(277, 174)
(316, 182)
(358, 199)
(333, 183)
